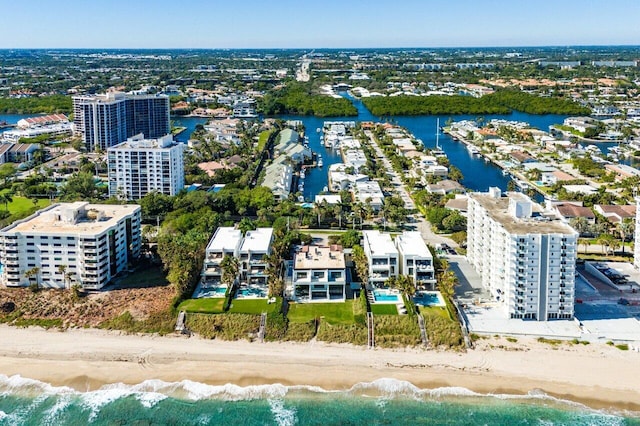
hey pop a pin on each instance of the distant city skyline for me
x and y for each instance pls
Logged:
(327, 24)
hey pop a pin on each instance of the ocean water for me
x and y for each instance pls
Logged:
(383, 402)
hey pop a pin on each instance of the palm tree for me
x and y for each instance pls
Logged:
(584, 242)
(62, 269)
(230, 267)
(337, 211)
(625, 228)
(31, 273)
(6, 198)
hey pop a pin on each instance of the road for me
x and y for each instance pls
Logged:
(421, 223)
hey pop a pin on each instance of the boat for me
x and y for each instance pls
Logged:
(438, 152)
(473, 150)
(325, 188)
(300, 199)
(320, 163)
(302, 174)
(505, 172)
(318, 130)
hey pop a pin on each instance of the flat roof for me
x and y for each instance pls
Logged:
(497, 208)
(257, 241)
(225, 238)
(71, 218)
(379, 244)
(315, 257)
(411, 243)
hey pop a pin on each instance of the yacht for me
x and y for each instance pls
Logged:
(320, 163)
(302, 174)
(473, 150)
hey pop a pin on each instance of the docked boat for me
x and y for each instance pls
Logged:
(302, 174)
(320, 163)
(505, 172)
(473, 150)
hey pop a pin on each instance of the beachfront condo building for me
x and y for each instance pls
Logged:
(636, 245)
(226, 241)
(416, 260)
(526, 259)
(70, 243)
(319, 274)
(255, 246)
(382, 256)
(109, 119)
(139, 166)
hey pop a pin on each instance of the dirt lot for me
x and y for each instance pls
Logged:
(18, 304)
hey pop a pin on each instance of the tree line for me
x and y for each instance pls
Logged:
(298, 98)
(500, 102)
(36, 105)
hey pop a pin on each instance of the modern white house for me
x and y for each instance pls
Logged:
(416, 260)
(139, 166)
(226, 241)
(319, 274)
(382, 256)
(255, 245)
(87, 244)
(526, 259)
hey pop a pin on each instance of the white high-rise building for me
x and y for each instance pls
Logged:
(526, 260)
(636, 245)
(139, 166)
(67, 243)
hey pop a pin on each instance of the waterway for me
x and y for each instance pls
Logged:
(190, 123)
(478, 174)
(13, 119)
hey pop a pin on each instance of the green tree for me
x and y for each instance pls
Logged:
(7, 171)
(230, 268)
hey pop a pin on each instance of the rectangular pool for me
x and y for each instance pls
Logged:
(428, 298)
(252, 292)
(386, 296)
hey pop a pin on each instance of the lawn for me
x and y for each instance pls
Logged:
(203, 306)
(251, 306)
(384, 309)
(333, 313)
(440, 311)
(23, 205)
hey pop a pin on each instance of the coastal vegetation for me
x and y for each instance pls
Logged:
(298, 98)
(500, 102)
(36, 105)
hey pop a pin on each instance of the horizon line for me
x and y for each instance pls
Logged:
(327, 48)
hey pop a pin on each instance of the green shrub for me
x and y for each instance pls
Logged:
(549, 341)
(442, 331)
(160, 322)
(396, 331)
(623, 347)
(512, 339)
(342, 333)
(300, 332)
(276, 322)
(224, 326)
(360, 308)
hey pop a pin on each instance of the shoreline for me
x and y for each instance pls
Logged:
(597, 376)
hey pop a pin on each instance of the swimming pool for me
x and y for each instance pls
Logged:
(428, 298)
(211, 292)
(255, 292)
(385, 296)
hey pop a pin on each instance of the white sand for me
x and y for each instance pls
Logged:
(597, 374)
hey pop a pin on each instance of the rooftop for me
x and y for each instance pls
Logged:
(257, 241)
(80, 218)
(315, 257)
(411, 243)
(379, 244)
(225, 239)
(138, 142)
(498, 209)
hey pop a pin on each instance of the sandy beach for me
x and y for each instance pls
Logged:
(598, 375)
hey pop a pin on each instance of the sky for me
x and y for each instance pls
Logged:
(316, 24)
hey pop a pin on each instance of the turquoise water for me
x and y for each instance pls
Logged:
(384, 402)
(383, 296)
(252, 292)
(427, 299)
